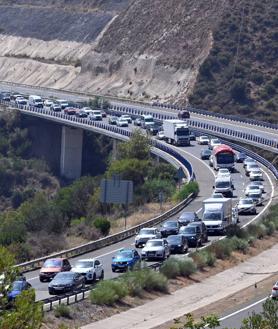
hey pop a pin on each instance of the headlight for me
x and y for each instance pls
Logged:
(143, 253)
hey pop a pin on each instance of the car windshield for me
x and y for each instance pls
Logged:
(217, 195)
(245, 201)
(64, 275)
(253, 165)
(207, 152)
(187, 215)
(256, 172)
(124, 254)
(174, 238)
(17, 285)
(204, 138)
(170, 224)
(122, 119)
(222, 184)
(53, 263)
(96, 113)
(215, 141)
(255, 194)
(188, 230)
(84, 264)
(212, 216)
(148, 120)
(154, 243)
(146, 231)
(253, 187)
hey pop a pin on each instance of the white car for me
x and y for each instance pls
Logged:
(251, 166)
(251, 188)
(21, 101)
(146, 234)
(91, 269)
(248, 161)
(256, 175)
(95, 115)
(260, 184)
(224, 172)
(160, 135)
(274, 292)
(48, 103)
(122, 122)
(156, 249)
(246, 206)
(127, 118)
(63, 103)
(214, 142)
(203, 140)
(217, 195)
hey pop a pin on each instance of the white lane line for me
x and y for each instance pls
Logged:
(242, 309)
(199, 210)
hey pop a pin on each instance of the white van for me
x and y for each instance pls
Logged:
(63, 103)
(224, 185)
(147, 120)
(36, 101)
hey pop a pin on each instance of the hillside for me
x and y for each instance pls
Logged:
(240, 74)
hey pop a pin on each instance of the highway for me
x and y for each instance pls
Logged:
(263, 132)
(205, 178)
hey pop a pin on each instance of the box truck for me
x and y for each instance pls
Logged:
(176, 132)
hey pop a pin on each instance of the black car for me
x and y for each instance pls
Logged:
(66, 281)
(177, 244)
(205, 154)
(153, 129)
(188, 217)
(193, 235)
(184, 114)
(192, 136)
(241, 156)
(169, 228)
(203, 229)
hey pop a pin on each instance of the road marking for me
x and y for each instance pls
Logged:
(242, 309)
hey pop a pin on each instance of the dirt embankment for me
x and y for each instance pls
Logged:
(139, 49)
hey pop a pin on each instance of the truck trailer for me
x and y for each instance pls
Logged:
(176, 132)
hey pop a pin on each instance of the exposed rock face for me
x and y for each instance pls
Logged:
(139, 49)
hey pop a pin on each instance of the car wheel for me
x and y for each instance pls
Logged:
(94, 277)
(102, 275)
(113, 270)
(42, 280)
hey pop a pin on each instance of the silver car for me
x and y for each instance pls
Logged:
(256, 175)
(250, 167)
(247, 161)
(146, 234)
(91, 269)
(251, 188)
(156, 249)
(246, 206)
(259, 184)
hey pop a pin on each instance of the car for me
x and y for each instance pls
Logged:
(82, 113)
(66, 282)
(70, 110)
(52, 266)
(17, 287)
(214, 142)
(192, 136)
(13, 97)
(56, 107)
(48, 103)
(146, 234)
(153, 129)
(203, 140)
(160, 135)
(121, 122)
(183, 114)
(251, 166)
(91, 269)
(203, 228)
(63, 103)
(205, 154)
(217, 195)
(193, 235)
(177, 244)
(260, 184)
(127, 118)
(95, 115)
(274, 291)
(5, 96)
(246, 206)
(187, 217)
(247, 161)
(156, 249)
(112, 120)
(21, 101)
(125, 259)
(250, 188)
(256, 174)
(137, 122)
(169, 227)
(103, 114)
(240, 157)
(224, 172)
(256, 196)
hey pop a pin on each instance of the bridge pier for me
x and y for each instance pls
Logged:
(71, 152)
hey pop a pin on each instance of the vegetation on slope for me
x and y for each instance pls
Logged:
(240, 74)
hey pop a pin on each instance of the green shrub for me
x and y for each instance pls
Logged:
(239, 244)
(258, 231)
(211, 258)
(235, 230)
(199, 259)
(222, 249)
(108, 292)
(103, 225)
(187, 267)
(186, 190)
(155, 281)
(270, 227)
(62, 311)
(170, 268)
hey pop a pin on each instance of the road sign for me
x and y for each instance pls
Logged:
(116, 191)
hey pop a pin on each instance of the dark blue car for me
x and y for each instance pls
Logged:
(125, 259)
(17, 288)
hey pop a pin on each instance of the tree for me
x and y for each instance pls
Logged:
(239, 90)
(138, 147)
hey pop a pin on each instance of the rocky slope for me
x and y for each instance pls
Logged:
(129, 48)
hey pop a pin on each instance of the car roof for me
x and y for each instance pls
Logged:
(86, 260)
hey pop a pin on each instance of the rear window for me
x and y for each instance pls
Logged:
(53, 263)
